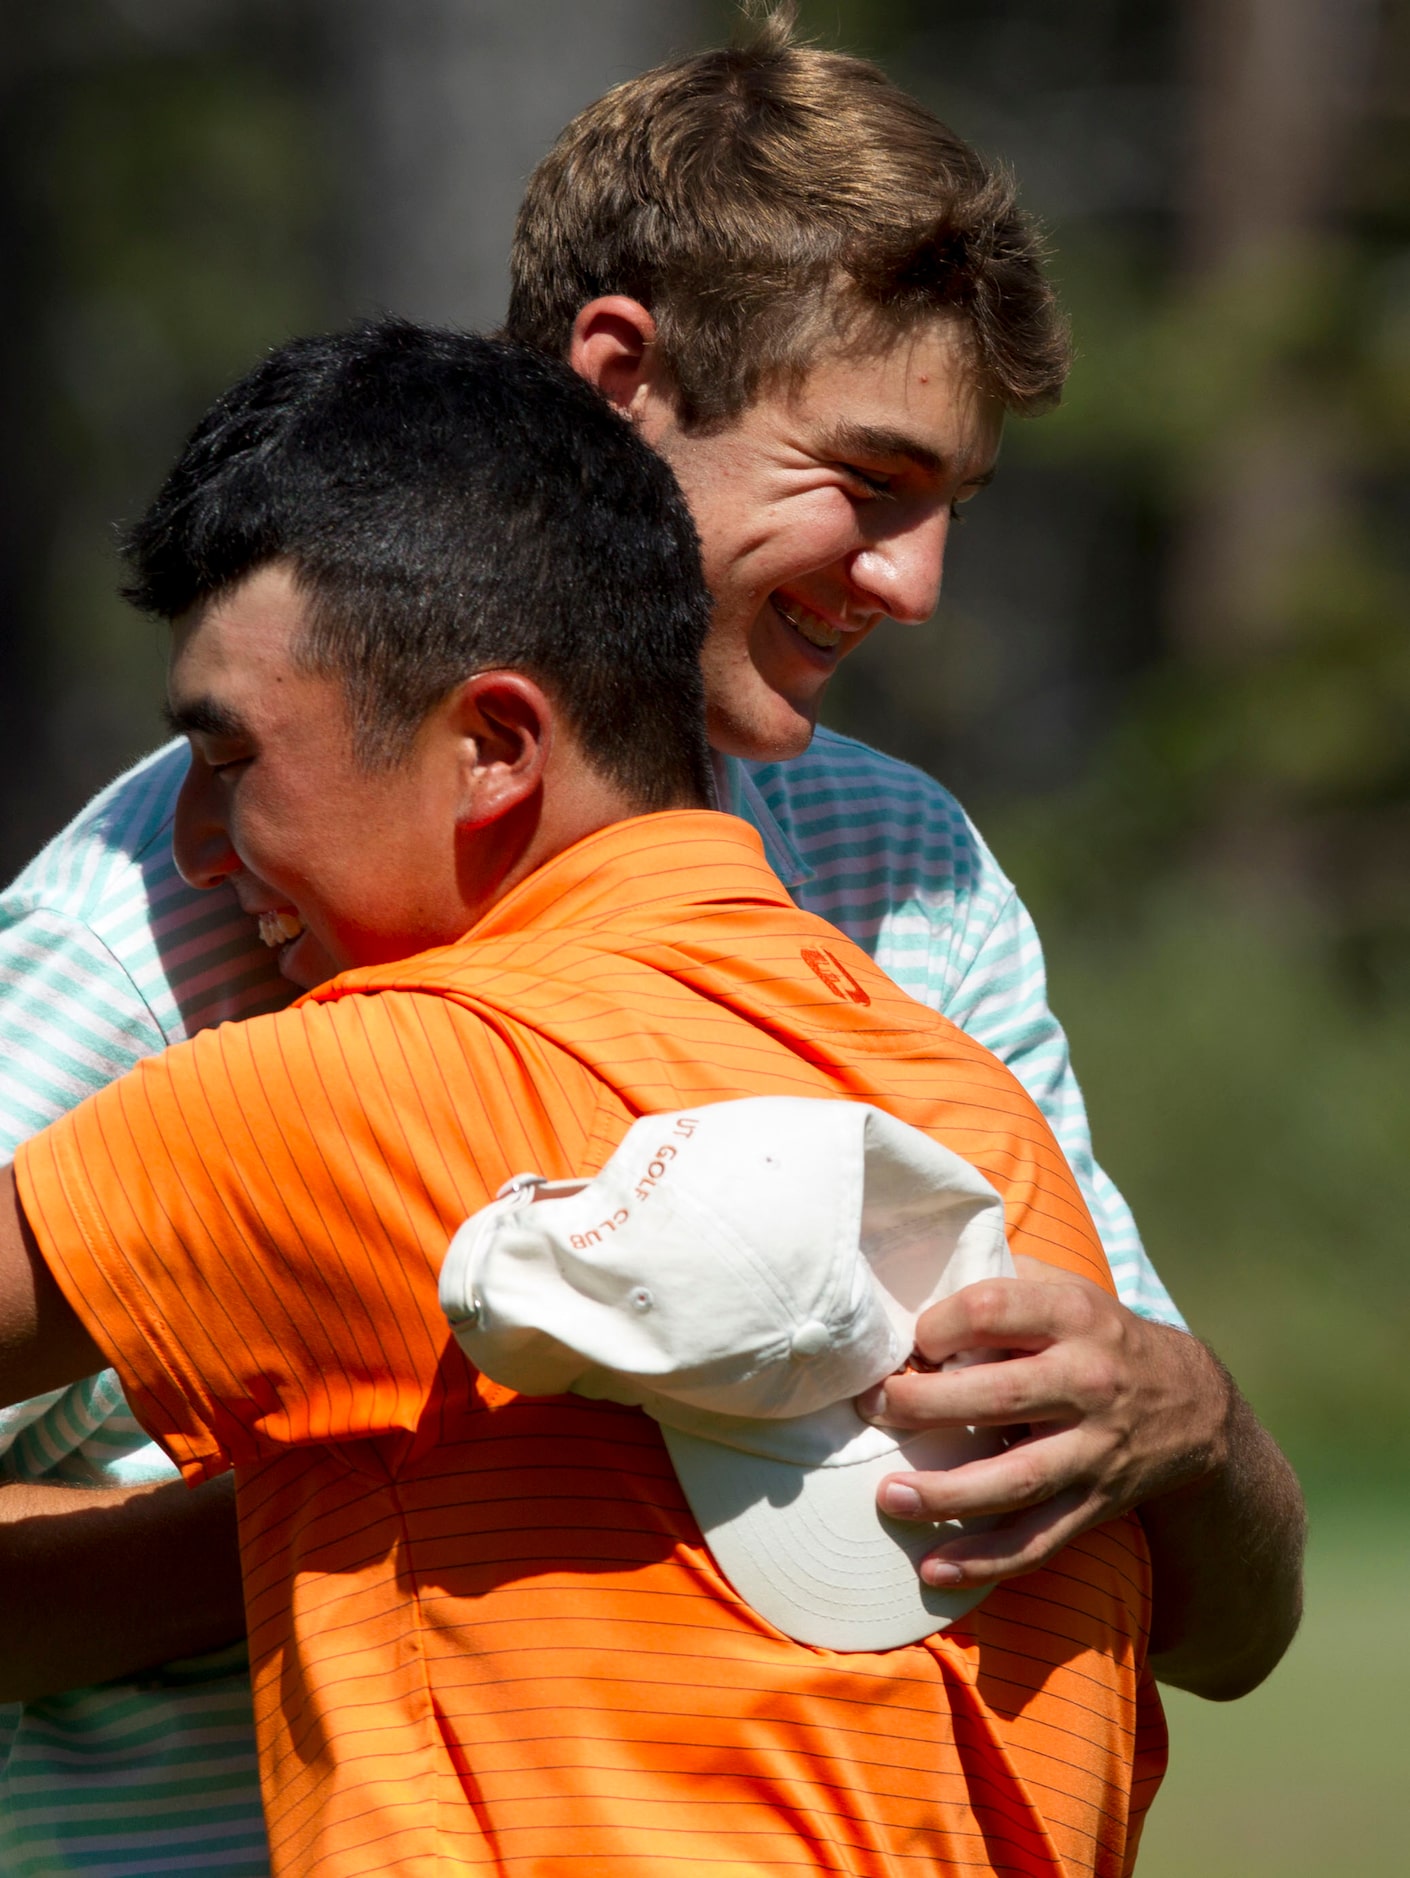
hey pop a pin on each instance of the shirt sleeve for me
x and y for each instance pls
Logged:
(71, 1021)
(998, 994)
(251, 1224)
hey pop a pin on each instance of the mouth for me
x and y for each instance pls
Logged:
(278, 928)
(807, 624)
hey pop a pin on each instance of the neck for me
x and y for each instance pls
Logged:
(573, 802)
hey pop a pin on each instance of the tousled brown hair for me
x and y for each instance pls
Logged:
(769, 199)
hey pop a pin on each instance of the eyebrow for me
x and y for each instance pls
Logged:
(875, 440)
(203, 717)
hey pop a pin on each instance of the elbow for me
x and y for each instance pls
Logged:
(1220, 1683)
(1200, 1667)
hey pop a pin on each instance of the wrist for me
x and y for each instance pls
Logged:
(1202, 1406)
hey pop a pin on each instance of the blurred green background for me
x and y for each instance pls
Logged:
(1170, 676)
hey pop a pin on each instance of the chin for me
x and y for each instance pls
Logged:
(305, 964)
(767, 734)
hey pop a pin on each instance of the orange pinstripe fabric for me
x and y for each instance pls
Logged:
(486, 1634)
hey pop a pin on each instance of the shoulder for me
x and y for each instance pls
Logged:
(843, 791)
(103, 905)
(843, 803)
(91, 868)
(892, 859)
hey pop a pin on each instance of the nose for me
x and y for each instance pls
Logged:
(900, 570)
(200, 845)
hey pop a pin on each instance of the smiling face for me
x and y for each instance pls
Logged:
(823, 511)
(339, 864)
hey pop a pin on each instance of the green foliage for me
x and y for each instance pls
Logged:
(180, 182)
(1293, 714)
(869, 28)
(183, 195)
(1304, 1778)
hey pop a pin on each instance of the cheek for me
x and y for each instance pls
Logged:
(811, 532)
(281, 834)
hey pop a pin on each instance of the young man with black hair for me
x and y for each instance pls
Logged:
(819, 304)
(437, 619)
(820, 329)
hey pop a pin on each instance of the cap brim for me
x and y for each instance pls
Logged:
(807, 1547)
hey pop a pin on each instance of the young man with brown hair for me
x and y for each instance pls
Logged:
(816, 302)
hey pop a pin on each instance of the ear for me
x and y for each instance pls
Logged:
(505, 726)
(613, 346)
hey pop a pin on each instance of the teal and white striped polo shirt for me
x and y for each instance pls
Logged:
(106, 957)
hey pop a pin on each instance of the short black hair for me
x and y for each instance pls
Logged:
(450, 504)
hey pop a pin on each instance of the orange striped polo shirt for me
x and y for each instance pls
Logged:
(486, 1634)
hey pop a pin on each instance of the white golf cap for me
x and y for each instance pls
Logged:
(742, 1271)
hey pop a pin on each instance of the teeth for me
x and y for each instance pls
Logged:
(275, 929)
(816, 630)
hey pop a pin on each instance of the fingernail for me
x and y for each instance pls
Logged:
(900, 1499)
(940, 1573)
(872, 1405)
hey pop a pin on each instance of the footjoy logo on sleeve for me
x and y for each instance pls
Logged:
(834, 974)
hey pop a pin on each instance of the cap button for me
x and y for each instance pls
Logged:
(811, 1339)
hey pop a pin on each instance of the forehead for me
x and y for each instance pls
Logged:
(235, 661)
(243, 638)
(917, 391)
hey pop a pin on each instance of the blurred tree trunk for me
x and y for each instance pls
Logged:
(444, 106)
(1278, 88)
(28, 487)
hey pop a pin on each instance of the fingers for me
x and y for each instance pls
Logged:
(986, 1395)
(1063, 1385)
(1071, 1359)
(1027, 1474)
(1064, 1390)
(1020, 1508)
(1016, 1314)
(1106, 1411)
(1021, 1543)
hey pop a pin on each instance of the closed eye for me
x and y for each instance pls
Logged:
(217, 736)
(876, 485)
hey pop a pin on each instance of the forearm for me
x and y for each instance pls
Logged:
(105, 1582)
(1226, 1554)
